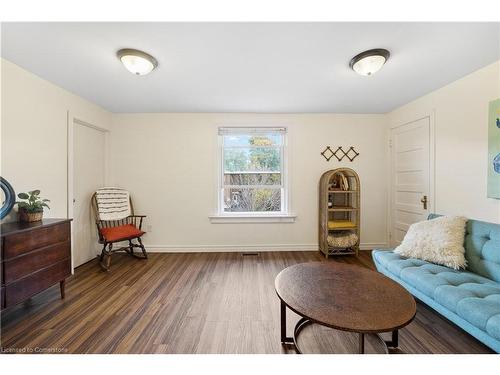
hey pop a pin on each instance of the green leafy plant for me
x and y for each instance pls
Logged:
(31, 201)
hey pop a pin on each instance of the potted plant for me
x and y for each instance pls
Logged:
(31, 206)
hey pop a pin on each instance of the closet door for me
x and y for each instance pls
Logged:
(88, 176)
(410, 176)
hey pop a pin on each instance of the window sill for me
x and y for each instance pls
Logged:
(239, 219)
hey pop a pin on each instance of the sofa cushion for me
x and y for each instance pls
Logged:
(450, 295)
(474, 298)
(482, 249)
(480, 311)
(395, 263)
(493, 326)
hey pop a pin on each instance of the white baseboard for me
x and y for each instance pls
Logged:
(240, 248)
(373, 245)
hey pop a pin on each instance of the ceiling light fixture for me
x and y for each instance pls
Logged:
(369, 62)
(137, 62)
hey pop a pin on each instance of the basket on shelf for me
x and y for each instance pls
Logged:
(344, 239)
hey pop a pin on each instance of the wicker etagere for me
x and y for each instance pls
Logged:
(339, 211)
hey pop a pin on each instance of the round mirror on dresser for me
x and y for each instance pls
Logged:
(8, 197)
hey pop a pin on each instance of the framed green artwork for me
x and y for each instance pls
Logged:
(494, 150)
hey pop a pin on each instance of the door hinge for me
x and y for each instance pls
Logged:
(390, 143)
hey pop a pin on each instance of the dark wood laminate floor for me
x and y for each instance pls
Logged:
(191, 303)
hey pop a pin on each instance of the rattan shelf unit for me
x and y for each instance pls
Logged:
(339, 210)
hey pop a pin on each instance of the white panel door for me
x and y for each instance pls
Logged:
(410, 180)
(88, 176)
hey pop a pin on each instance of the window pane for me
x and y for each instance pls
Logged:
(252, 159)
(252, 200)
(251, 178)
(252, 140)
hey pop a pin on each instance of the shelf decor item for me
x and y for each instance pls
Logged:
(339, 212)
(31, 206)
(343, 239)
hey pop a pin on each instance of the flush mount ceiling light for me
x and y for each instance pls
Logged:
(137, 62)
(369, 62)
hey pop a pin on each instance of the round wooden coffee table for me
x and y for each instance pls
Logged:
(344, 297)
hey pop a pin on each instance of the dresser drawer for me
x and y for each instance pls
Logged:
(20, 243)
(28, 286)
(23, 265)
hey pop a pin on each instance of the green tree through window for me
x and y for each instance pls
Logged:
(264, 158)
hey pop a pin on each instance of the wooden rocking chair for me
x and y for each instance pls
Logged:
(127, 228)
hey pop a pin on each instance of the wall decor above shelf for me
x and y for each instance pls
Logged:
(340, 153)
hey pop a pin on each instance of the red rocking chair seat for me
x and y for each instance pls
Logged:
(121, 233)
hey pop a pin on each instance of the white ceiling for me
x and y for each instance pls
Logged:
(251, 67)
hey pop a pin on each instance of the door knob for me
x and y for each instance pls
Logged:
(424, 201)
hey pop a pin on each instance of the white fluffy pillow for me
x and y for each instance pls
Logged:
(439, 241)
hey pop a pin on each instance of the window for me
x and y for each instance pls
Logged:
(252, 180)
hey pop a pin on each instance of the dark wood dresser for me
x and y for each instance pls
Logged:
(34, 256)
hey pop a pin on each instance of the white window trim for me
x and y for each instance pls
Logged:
(248, 218)
(283, 216)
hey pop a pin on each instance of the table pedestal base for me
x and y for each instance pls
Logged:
(304, 322)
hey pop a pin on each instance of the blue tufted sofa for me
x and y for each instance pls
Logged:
(469, 298)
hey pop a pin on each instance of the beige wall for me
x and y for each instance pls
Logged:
(34, 134)
(461, 132)
(169, 162)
